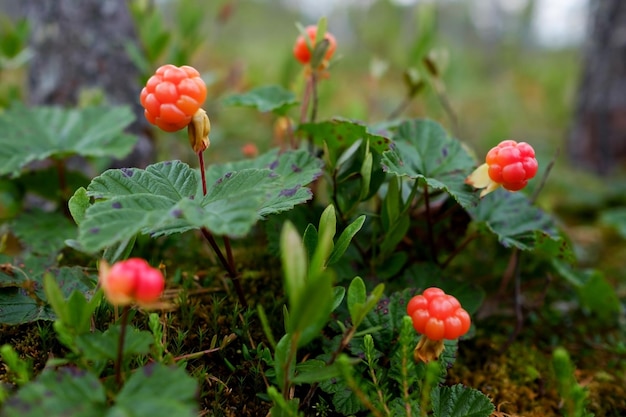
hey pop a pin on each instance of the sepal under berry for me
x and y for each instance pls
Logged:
(428, 350)
(198, 131)
(480, 178)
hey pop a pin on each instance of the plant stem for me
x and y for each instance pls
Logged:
(458, 249)
(229, 264)
(306, 97)
(120, 347)
(230, 268)
(429, 224)
(202, 172)
(315, 98)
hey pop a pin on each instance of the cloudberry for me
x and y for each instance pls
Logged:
(510, 165)
(132, 280)
(301, 50)
(172, 96)
(437, 316)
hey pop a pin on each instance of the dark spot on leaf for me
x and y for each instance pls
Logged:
(116, 205)
(385, 168)
(177, 213)
(94, 230)
(167, 163)
(379, 142)
(219, 181)
(289, 192)
(274, 164)
(295, 168)
(444, 151)
(192, 197)
(128, 172)
(228, 175)
(148, 370)
(339, 138)
(273, 175)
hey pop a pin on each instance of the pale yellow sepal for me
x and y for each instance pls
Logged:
(198, 131)
(480, 179)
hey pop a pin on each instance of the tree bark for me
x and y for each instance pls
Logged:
(80, 45)
(597, 139)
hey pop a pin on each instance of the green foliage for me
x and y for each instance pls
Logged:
(52, 132)
(615, 218)
(574, 395)
(265, 99)
(423, 151)
(65, 392)
(22, 295)
(339, 134)
(69, 391)
(18, 370)
(594, 291)
(43, 233)
(460, 401)
(166, 198)
(517, 223)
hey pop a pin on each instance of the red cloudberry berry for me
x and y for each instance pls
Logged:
(132, 280)
(510, 165)
(301, 50)
(172, 96)
(437, 316)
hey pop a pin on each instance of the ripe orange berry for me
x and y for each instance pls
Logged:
(301, 50)
(438, 315)
(172, 96)
(512, 164)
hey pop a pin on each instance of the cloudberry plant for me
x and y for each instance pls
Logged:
(510, 165)
(172, 96)
(437, 316)
(302, 52)
(132, 280)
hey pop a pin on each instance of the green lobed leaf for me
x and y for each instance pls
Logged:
(517, 223)
(67, 391)
(166, 198)
(99, 346)
(290, 172)
(43, 232)
(22, 295)
(460, 401)
(272, 98)
(340, 134)
(423, 150)
(34, 134)
(150, 392)
(78, 204)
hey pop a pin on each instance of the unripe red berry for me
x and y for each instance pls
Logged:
(301, 50)
(132, 280)
(172, 96)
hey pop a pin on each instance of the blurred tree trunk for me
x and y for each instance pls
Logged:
(597, 140)
(79, 46)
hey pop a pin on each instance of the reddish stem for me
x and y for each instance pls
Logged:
(120, 347)
(202, 172)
